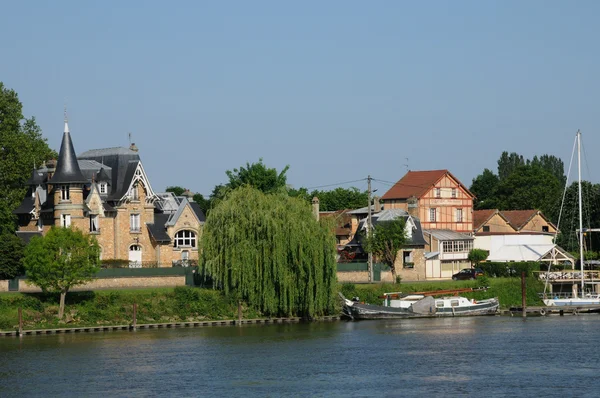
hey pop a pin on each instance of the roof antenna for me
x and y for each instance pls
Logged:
(406, 165)
(129, 134)
(66, 119)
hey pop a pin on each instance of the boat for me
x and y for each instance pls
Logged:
(584, 298)
(419, 305)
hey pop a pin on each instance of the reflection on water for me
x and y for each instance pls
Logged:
(500, 356)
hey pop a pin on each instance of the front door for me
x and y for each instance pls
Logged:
(135, 256)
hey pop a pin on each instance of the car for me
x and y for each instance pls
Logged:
(467, 273)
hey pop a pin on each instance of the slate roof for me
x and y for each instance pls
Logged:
(67, 167)
(417, 183)
(26, 205)
(120, 164)
(417, 238)
(158, 230)
(199, 213)
(36, 178)
(27, 235)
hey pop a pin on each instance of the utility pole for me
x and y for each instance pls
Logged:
(369, 229)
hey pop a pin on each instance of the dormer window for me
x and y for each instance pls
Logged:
(103, 188)
(64, 192)
(133, 193)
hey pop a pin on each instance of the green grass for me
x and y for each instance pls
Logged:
(508, 290)
(115, 307)
(161, 305)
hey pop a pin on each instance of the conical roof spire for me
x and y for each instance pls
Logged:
(67, 168)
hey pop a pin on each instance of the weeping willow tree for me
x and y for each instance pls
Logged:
(268, 250)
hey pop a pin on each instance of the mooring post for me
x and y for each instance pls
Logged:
(240, 312)
(20, 322)
(523, 295)
(134, 324)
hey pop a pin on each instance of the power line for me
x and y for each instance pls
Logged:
(336, 184)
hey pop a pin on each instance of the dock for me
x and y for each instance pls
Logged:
(169, 325)
(554, 310)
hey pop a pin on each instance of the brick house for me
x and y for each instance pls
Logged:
(436, 197)
(106, 193)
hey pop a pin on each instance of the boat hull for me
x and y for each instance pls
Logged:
(359, 311)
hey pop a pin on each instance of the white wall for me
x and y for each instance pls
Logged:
(492, 243)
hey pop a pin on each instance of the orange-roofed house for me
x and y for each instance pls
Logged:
(436, 197)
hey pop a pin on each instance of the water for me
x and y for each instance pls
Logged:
(490, 356)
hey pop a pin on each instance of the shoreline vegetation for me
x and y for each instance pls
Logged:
(187, 304)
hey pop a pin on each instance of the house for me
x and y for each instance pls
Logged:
(107, 193)
(517, 235)
(447, 252)
(436, 197)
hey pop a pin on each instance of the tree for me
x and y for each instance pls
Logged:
(61, 259)
(508, 163)
(11, 256)
(341, 199)
(569, 221)
(178, 191)
(259, 176)
(551, 164)
(530, 187)
(484, 187)
(476, 256)
(21, 147)
(269, 250)
(386, 239)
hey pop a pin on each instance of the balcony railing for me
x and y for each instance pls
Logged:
(567, 275)
(185, 263)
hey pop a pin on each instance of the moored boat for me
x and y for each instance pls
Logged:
(396, 305)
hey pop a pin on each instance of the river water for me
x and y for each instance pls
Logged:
(481, 356)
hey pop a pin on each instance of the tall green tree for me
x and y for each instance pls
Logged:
(11, 256)
(177, 190)
(258, 175)
(60, 260)
(508, 163)
(385, 240)
(21, 147)
(569, 221)
(484, 187)
(551, 164)
(341, 199)
(269, 250)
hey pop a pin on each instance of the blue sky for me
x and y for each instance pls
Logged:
(338, 90)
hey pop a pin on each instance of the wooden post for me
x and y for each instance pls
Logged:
(20, 322)
(240, 312)
(523, 294)
(134, 324)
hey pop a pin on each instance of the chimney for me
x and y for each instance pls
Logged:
(413, 207)
(315, 207)
(132, 147)
(376, 205)
(188, 194)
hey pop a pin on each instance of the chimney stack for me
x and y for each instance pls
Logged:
(413, 207)
(132, 147)
(315, 207)
(376, 205)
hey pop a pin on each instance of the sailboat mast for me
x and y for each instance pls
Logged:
(580, 207)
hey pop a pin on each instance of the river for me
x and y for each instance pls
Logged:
(481, 356)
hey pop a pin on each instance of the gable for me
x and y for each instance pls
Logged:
(420, 183)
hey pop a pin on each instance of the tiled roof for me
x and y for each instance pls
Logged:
(417, 183)
(518, 218)
(480, 217)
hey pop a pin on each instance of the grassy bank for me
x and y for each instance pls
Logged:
(508, 290)
(160, 305)
(115, 307)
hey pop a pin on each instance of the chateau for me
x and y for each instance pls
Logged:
(106, 193)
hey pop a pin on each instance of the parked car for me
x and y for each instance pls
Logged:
(467, 273)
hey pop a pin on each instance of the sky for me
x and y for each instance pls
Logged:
(337, 90)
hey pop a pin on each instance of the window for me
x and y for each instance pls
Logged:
(94, 227)
(133, 193)
(454, 192)
(185, 239)
(65, 220)
(64, 193)
(545, 228)
(438, 193)
(432, 215)
(185, 255)
(134, 223)
(103, 187)
(459, 215)
(486, 228)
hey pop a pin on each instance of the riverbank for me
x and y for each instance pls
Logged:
(193, 305)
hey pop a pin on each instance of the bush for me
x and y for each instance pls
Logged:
(510, 269)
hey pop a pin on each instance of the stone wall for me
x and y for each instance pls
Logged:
(4, 286)
(113, 283)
